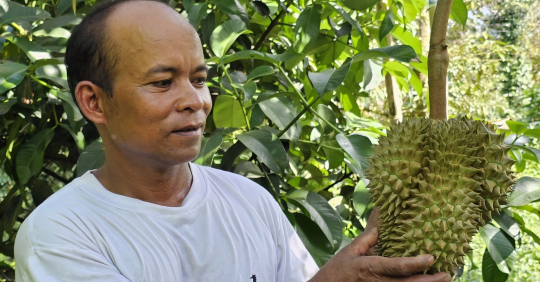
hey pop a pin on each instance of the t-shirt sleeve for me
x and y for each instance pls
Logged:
(295, 262)
(60, 264)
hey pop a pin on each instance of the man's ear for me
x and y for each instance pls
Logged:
(91, 101)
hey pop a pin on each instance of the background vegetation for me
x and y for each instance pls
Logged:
(301, 91)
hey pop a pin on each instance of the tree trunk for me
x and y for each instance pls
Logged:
(438, 60)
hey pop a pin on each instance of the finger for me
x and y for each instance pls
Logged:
(397, 266)
(360, 245)
(439, 277)
(373, 220)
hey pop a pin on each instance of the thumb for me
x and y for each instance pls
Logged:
(361, 244)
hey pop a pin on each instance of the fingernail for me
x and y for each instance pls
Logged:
(373, 230)
(430, 260)
(448, 278)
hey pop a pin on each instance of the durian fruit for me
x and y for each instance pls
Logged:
(435, 183)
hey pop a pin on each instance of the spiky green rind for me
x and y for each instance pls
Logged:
(435, 183)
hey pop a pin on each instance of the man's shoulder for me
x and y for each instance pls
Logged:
(57, 218)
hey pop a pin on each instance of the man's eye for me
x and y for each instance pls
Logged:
(200, 81)
(162, 83)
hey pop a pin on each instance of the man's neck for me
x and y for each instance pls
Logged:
(162, 187)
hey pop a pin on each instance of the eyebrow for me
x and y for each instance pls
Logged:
(162, 69)
(200, 68)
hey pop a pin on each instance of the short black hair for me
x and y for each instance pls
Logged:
(90, 54)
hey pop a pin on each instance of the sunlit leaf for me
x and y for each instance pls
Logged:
(501, 250)
(228, 112)
(224, 36)
(459, 12)
(321, 212)
(11, 74)
(330, 79)
(526, 190)
(307, 28)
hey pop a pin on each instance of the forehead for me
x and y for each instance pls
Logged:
(147, 33)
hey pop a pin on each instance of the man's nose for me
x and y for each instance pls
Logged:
(191, 98)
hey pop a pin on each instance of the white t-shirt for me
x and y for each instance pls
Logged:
(227, 229)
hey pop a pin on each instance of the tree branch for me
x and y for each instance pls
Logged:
(343, 177)
(55, 176)
(438, 60)
(269, 29)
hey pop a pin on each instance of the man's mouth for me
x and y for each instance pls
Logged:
(189, 131)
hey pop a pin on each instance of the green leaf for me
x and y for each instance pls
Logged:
(227, 161)
(490, 271)
(58, 22)
(232, 7)
(307, 28)
(459, 12)
(250, 54)
(346, 15)
(33, 50)
(313, 239)
(334, 156)
(92, 157)
(22, 13)
(402, 53)
(526, 190)
(358, 147)
(360, 4)
(197, 13)
(407, 38)
(281, 111)
(228, 112)
(361, 198)
(260, 71)
(321, 212)
(387, 24)
(224, 36)
(30, 157)
(507, 223)
(533, 133)
(328, 115)
(6, 105)
(209, 147)
(531, 233)
(267, 147)
(517, 126)
(260, 7)
(72, 111)
(250, 89)
(11, 74)
(527, 208)
(501, 250)
(330, 79)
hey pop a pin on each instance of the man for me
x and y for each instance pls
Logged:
(138, 73)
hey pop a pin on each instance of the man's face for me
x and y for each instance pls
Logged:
(160, 100)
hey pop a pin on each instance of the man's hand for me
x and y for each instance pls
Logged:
(351, 265)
